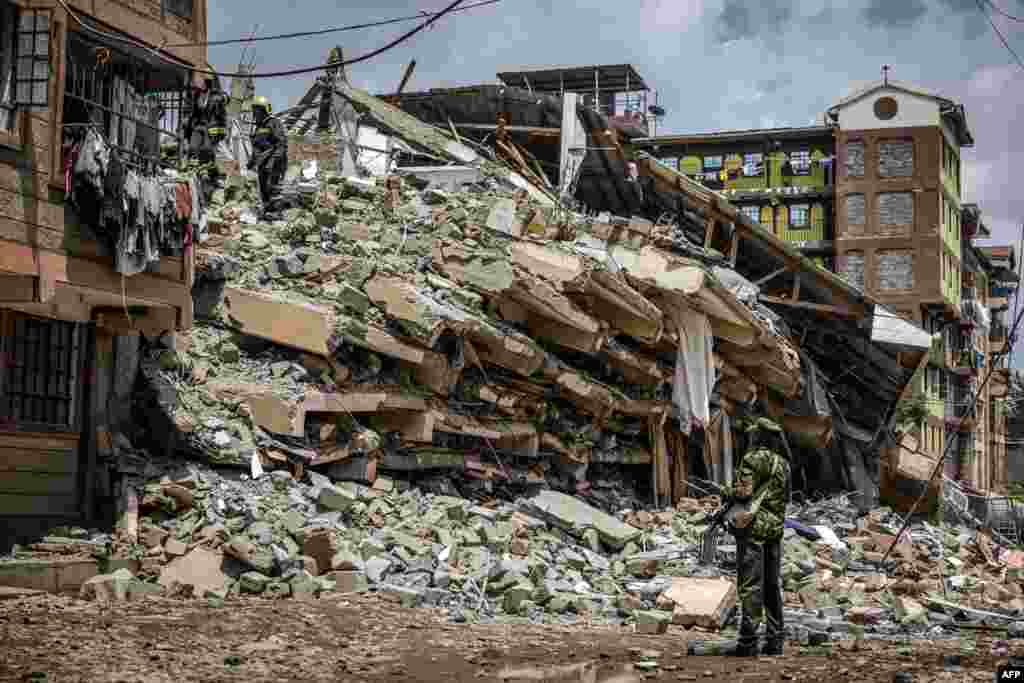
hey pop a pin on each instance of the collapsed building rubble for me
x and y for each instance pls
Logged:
(470, 397)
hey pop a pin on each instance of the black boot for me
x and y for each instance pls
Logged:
(747, 644)
(773, 647)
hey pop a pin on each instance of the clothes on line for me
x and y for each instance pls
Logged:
(139, 217)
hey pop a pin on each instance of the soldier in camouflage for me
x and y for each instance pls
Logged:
(764, 475)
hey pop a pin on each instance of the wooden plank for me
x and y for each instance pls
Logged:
(844, 311)
(53, 461)
(20, 505)
(38, 441)
(153, 322)
(85, 273)
(38, 484)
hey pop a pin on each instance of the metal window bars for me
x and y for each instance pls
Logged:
(42, 372)
(136, 108)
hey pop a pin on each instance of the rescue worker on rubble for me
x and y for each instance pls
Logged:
(763, 482)
(269, 150)
(207, 125)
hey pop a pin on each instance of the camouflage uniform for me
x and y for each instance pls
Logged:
(759, 545)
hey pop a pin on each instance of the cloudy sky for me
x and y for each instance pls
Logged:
(716, 64)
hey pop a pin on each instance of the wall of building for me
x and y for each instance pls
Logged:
(771, 192)
(60, 272)
(912, 111)
(887, 213)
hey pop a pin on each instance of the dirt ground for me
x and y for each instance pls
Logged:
(363, 638)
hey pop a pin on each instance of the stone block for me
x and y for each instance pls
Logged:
(200, 569)
(653, 622)
(701, 602)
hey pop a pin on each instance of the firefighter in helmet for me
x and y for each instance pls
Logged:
(269, 150)
(207, 124)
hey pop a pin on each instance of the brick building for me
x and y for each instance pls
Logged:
(69, 314)
(875, 195)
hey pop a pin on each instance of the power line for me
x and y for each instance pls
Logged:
(949, 441)
(273, 74)
(999, 33)
(326, 31)
(1002, 12)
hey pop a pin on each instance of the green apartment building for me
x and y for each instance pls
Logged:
(782, 178)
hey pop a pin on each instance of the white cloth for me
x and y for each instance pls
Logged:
(695, 369)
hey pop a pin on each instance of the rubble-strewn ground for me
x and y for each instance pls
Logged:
(362, 638)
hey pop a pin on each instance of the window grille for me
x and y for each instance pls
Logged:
(32, 59)
(800, 161)
(179, 8)
(139, 109)
(799, 216)
(41, 373)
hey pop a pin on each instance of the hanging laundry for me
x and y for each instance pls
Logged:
(183, 199)
(695, 369)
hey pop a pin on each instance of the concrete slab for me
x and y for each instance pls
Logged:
(575, 516)
(701, 602)
(200, 568)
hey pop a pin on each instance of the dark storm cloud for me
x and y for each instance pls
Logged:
(741, 20)
(893, 13)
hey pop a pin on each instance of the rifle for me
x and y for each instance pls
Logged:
(722, 518)
(725, 517)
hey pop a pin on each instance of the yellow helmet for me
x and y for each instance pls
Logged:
(261, 101)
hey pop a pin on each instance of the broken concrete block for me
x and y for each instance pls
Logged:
(253, 582)
(909, 611)
(152, 536)
(336, 498)
(502, 218)
(201, 569)
(407, 597)
(652, 622)
(376, 568)
(120, 586)
(575, 516)
(701, 602)
(322, 545)
(174, 548)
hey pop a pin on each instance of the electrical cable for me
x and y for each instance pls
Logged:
(1003, 12)
(949, 441)
(999, 33)
(273, 74)
(326, 31)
